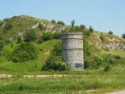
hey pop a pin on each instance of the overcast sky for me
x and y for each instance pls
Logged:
(102, 15)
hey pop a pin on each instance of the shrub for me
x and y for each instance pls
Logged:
(82, 27)
(107, 68)
(47, 36)
(7, 52)
(19, 40)
(61, 22)
(96, 62)
(57, 35)
(40, 26)
(53, 21)
(40, 40)
(102, 37)
(117, 57)
(75, 29)
(57, 51)
(86, 48)
(24, 52)
(86, 33)
(91, 29)
(1, 23)
(1, 36)
(1, 45)
(11, 44)
(110, 32)
(123, 36)
(7, 27)
(55, 63)
(86, 63)
(30, 35)
(110, 59)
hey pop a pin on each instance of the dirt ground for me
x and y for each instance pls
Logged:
(117, 92)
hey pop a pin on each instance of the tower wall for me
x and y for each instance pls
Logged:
(72, 50)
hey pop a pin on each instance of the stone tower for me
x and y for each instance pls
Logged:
(72, 50)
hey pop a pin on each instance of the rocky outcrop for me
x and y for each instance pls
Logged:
(115, 45)
(109, 45)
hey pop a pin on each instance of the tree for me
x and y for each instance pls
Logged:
(30, 35)
(102, 36)
(57, 35)
(1, 36)
(47, 36)
(110, 32)
(55, 62)
(40, 26)
(75, 29)
(24, 52)
(61, 22)
(123, 36)
(19, 40)
(53, 21)
(91, 29)
(1, 45)
(82, 27)
(7, 27)
(1, 23)
(72, 23)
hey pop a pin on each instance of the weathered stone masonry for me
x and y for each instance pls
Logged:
(72, 50)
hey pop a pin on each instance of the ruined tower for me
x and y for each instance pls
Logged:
(72, 50)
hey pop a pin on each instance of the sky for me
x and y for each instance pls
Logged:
(102, 15)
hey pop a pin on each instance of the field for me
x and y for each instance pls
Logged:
(70, 82)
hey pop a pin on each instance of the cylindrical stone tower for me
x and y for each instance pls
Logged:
(72, 50)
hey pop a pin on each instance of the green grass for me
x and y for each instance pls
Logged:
(30, 67)
(95, 82)
(73, 82)
(88, 81)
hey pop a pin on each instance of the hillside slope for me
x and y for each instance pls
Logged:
(16, 26)
(100, 48)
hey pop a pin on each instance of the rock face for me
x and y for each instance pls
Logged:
(115, 45)
(110, 45)
(72, 50)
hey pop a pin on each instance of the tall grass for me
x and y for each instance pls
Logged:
(63, 85)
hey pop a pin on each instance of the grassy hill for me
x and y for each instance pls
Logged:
(104, 56)
(99, 48)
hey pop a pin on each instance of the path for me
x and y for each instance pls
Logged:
(5, 76)
(30, 76)
(118, 92)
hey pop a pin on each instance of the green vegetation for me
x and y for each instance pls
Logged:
(32, 46)
(30, 35)
(123, 36)
(47, 36)
(61, 23)
(41, 27)
(82, 27)
(24, 52)
(53, 21)
(7, 27)
(110, 32)
(84, 82)
(72, 23)
(1, 45)
(55, 61)
(91, 29)
(41, 34)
